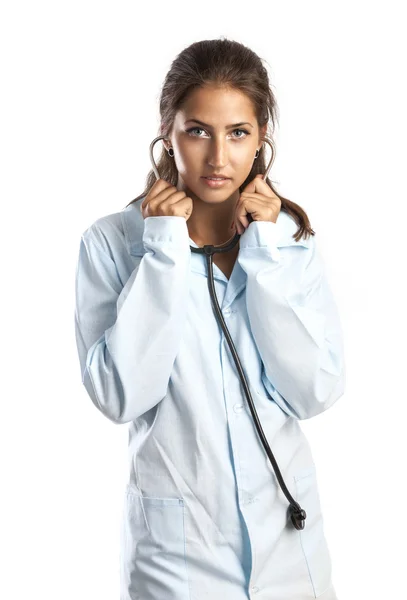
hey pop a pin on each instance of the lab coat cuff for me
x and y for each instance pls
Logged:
(261, 234)
(166, 229)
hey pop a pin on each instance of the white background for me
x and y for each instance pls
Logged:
(79, 107)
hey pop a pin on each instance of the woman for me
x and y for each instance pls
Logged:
(204, 515)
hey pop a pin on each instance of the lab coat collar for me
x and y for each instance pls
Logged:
(133, 226)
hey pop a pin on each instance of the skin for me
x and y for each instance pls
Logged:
(215, 149)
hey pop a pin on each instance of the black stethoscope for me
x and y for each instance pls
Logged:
(297, 514)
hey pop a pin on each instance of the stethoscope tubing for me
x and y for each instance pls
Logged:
(297, 514)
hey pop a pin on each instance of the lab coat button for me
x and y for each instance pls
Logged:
(254, 589)
(226, 312)
(238, 408)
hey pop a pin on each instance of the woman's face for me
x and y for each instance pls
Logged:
(225, 142)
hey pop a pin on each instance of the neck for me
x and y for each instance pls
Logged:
(212, 223)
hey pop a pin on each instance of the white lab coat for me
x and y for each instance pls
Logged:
(203, 515)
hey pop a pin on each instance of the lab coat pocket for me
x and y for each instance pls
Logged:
(154, 547)
(313, 542)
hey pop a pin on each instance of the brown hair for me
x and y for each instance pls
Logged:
(230, 64)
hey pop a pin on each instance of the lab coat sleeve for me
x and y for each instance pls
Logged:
(294, 320)
(128, 335)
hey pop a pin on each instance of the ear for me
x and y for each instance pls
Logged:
(167, 143)
(263, 130)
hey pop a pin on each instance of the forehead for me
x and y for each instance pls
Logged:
(215, 104)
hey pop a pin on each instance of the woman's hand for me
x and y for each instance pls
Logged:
(164, 200)
(258, 200)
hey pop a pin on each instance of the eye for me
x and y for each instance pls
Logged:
(195, 129)
(200, 129)
(244, 131)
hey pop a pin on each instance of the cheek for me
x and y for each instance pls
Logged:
(243, 158)
(244, 166)
(190, 157)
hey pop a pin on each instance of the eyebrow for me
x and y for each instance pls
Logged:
(210, 126)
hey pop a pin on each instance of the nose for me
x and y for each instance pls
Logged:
(218, 153)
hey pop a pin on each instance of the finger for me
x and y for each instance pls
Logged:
(249, 204)
(260, 186)
(160, 204)
(260, 200)
(244, 221)
(162, 196)
(157, 188)
(239, 228)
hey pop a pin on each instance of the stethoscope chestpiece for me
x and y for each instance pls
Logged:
(298, 516)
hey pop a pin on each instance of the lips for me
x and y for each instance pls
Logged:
(216, 183)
